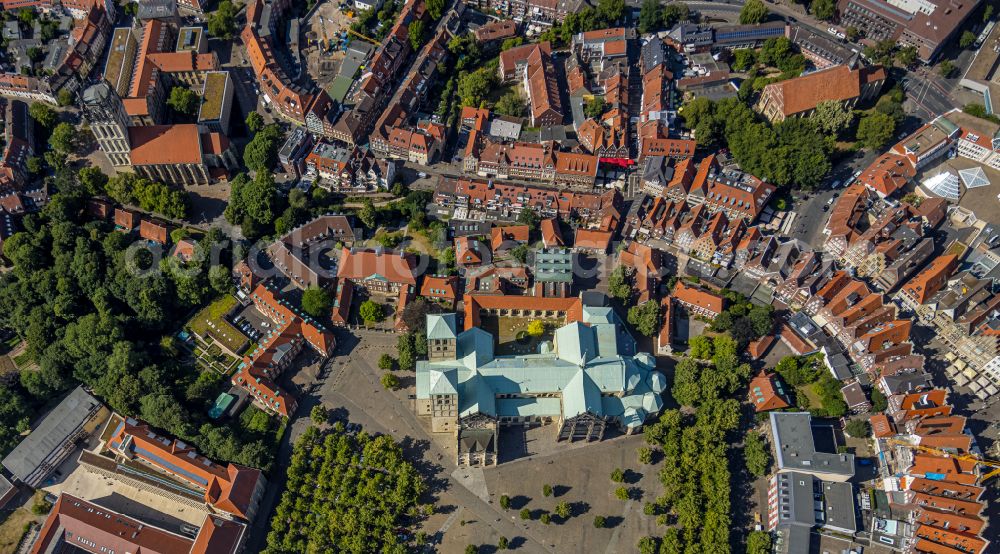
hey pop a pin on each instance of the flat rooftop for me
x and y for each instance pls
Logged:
(796, 448)
(214, 95)
(121, 55)
(189, 39)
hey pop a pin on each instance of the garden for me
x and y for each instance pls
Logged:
(210, 324)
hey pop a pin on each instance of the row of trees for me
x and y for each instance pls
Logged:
(346, 493)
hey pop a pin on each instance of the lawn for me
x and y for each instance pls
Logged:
(813, 399)
(211, 323)
(12, 528)
(507, 331)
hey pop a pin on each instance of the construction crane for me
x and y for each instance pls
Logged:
(993, 464)
(363, 37)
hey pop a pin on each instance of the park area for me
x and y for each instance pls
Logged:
(513, 336)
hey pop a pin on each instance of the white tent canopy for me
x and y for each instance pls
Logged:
(973, 177)
(945, 185)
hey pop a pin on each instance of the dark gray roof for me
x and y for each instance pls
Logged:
(58, 426)
(796, 448)
(653, 54)
(156, 9)
(903, 383)
(657, 169)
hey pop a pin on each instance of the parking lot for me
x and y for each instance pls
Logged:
(252, 323)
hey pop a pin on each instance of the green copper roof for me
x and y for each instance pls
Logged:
(441, 326)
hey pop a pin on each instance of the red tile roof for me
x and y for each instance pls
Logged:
(764, 393)
(931, 279)
(572, 308)
(165, 144)
(697, 297)
(551, 235)
(229, 488)
(361, 264)
(154, 231)
(595, 240)
(440, 286)
(882, 427)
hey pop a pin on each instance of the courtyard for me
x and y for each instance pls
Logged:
(512, 336)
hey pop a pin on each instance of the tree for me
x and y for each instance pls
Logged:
(503, 543)
(255, 122)
(389, 381)
(832, 117)
(674, 13)
(852, 33)
(525, 514)
(756, 454)
(753, 12)
(744, 59)
(563, 510)
(471, 549)
(64, 98)
(536, 328)
(700, 347)
(987, 13)
(318, 414)
(645, 455)
(317, 302)
(43, 114)
(600, 522)
(595, 108)
(650, 16)
(512, 42)
(858, 428)
(759, 542)
(946, 68)
(906, 56)
(546, 490)
(505, 502)
(512, 105)
(520, 253)
(386, 362)
(529, 218)
(610, 11)
(622, 493)
(823, 9)
(876, 130)
(966, 40)
(222, 22)
(474, 87)
(367, 213)
(647, 545)
(63, 138)
(34, 165)
(545, 518)
(645, 317)
(879, 402)
(371, 312)
(406, 346)
(416, 34)
(93, 180)
(618, 476)
(183, 100)
(435, 8)
(261, 153)
(619, 284)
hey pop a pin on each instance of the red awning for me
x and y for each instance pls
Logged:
(620, 162)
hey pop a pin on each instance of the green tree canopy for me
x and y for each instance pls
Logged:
(876, 130)
(222, 22)
(753, 11)
(371, 312)
(317, 302)
(183, 100)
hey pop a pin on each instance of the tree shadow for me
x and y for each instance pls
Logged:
(579, 508)
(610, 522)
(519, 501)
(632, 477)
(559, 490)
